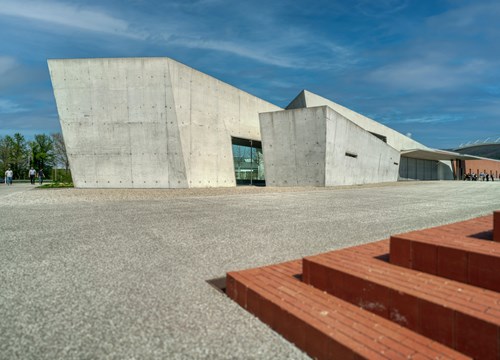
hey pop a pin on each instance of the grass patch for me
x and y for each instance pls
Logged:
(57, 185)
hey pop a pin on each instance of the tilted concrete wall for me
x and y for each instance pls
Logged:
(308, 146)
(376, 161)
(394, 138)
(294, 147)
(150, 122)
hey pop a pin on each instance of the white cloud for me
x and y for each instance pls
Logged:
(9, 107)
(471, 17)
(288, 47)
(251, 33)
(428, 74)
(454, 50)
(60, 14)
(250, 52)
(305, 52)
(430, 119)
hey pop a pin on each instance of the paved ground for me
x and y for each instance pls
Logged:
(8, 190)
(122, 273)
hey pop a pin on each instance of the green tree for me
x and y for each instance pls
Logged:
(5, 153)
(42, 151)
(60, 155)
(32, 151)
(18, 155)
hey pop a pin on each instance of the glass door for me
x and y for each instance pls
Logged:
(248, 162)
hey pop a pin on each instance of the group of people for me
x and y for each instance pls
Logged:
(482, 177)
(9, 174)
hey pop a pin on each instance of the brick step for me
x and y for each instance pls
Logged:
(496, 226)
(322, 325)
(461, 316)
(456, 251)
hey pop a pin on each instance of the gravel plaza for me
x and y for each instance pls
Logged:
(122, 273)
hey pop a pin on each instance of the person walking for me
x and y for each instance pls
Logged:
(8, 176)
(40, 176)
(32, 175)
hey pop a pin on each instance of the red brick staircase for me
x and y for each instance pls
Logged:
(435, 295)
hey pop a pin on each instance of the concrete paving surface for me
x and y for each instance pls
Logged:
(121, 274)
(10, 190)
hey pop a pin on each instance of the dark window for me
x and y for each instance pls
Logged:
(248, 162)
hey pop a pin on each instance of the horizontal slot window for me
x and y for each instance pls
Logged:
(381, 137)
(351, 154)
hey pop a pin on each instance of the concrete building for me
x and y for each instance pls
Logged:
(417, 162)
(487, 162)
(150, 123)
(156, 123)
(318, 146)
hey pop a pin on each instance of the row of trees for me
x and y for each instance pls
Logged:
(44, 151)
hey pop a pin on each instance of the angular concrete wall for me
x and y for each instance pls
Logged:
(375, 160)
(319, 147)
(150, 122)
(393, 138)
(294, 147)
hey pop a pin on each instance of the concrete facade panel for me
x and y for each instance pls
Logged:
(180, 82)
(147, 138)
(294, 147)
(247, 128)
(356, 156)
(145, 105)
(151, 176)
(98, 74)
(75, 77)
(83, 170)
(160, 122)
(109, 171)
(112, 139)
(117, 106)
(444, 170)
(77, 103)
(117, 77)
(394, 139)
(176, 158)
(81, 139)
(229, 104)
(319, 147)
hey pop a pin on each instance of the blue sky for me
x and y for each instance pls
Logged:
(428, 68)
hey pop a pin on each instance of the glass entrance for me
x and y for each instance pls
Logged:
(248, 162)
